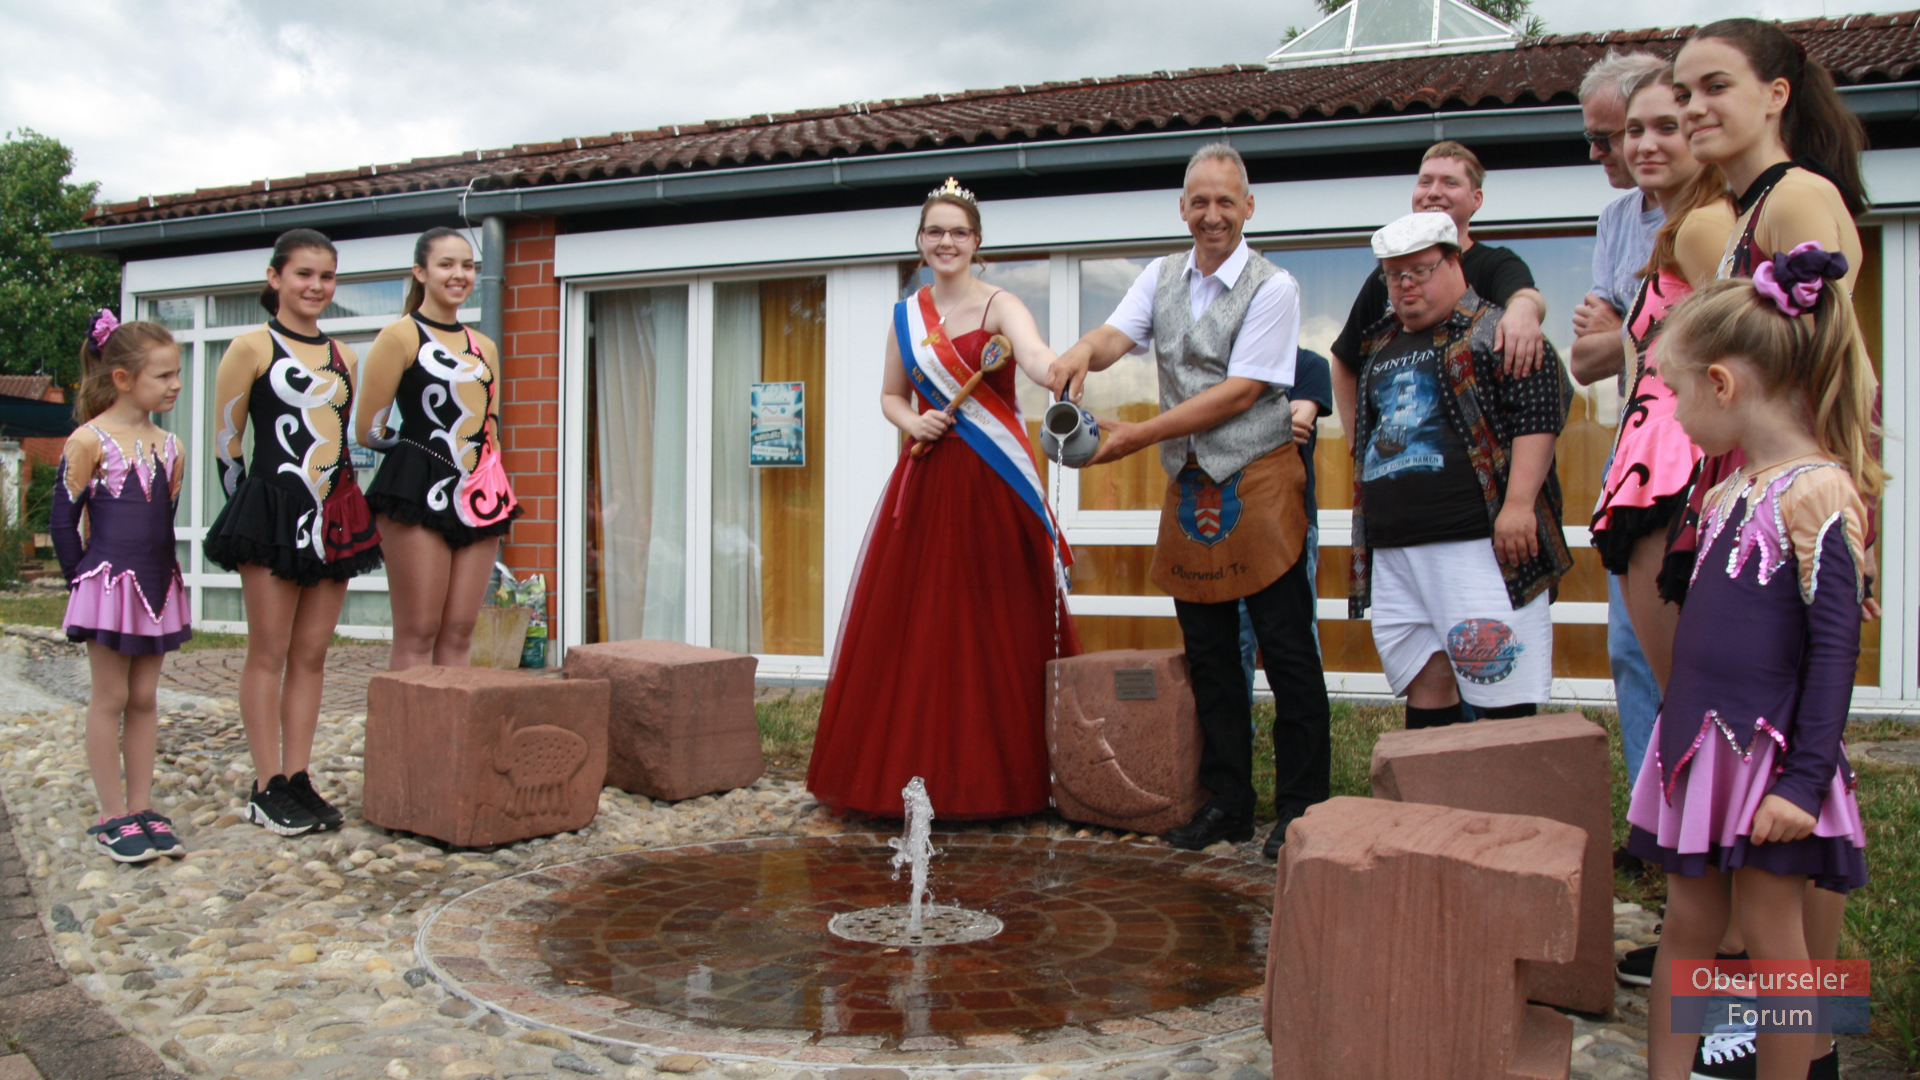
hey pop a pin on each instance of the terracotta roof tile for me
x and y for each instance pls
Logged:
(25, 386)
(1858, 49)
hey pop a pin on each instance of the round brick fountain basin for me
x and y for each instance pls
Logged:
(1107, 950)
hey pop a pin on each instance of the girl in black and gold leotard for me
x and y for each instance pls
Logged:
(295, 525)
(441, 498)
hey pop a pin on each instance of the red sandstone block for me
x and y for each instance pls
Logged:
(1124, 762)
(1547, 766)
(1402, 934)
(474, 756)
(682, 721)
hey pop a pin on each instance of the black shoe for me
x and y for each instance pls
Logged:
(1636, 967)
(1727, 1054)
(275, 809)
(1278, 837)
(1210, 826)
(1626, 862)
(1827, 1066)
(301, 788)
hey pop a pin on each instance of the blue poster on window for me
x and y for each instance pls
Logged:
(777, 432)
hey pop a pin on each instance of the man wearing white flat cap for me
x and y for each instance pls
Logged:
(1456, 510)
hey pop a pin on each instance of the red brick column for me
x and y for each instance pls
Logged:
(530, 403)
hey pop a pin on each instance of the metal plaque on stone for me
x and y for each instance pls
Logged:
(1134, 684)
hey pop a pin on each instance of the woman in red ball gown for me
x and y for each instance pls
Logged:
(960, 600)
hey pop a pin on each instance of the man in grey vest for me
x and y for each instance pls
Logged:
(1225, 324)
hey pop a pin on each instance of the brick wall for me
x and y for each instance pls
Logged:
(530, 409)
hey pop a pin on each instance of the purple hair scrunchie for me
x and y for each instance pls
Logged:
(104, 324)
(1793, 281)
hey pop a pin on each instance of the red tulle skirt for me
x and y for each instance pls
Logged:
(940, 670)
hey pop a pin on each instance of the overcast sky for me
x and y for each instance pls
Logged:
(164, 97)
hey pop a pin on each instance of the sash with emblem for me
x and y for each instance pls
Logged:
(1222, 541)
(987, 422)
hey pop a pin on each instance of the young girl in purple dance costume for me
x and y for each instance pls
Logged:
(123, 473)
(1746, 780)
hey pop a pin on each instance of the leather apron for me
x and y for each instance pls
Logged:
(1221, 542)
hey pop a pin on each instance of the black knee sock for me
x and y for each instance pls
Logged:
(1510, 712)
(1426, 718)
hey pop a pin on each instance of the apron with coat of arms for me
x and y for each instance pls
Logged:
(1223, 541)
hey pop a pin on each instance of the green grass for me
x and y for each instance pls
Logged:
(1883, 919)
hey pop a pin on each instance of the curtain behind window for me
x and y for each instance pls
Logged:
(641, 383)
(736, 488)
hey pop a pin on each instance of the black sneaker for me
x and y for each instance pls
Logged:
(1826, 1067)
(1727, 1054)
(301, 787)
(122, 840)
(159, 832)
(275, 809)
(1636, 967)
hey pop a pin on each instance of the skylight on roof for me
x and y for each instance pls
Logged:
(1394, 29)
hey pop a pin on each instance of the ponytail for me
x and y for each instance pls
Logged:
(289, 242)
(1819, 355)
(1816, 126)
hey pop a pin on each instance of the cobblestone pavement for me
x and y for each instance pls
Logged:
(215, 673)
(265, 958)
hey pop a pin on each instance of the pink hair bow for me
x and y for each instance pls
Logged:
(1793, 281)
(104, 324)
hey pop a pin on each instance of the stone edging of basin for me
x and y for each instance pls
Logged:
(590, 1017)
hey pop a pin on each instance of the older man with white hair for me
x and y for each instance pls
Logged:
(1226, 324)
(1456, 510)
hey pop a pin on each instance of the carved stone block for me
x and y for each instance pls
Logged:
(1123, 739)
(1402, 934)
(681, 723)
(1548, 766)
(474, 756)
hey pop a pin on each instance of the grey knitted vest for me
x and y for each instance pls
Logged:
(1193, 356)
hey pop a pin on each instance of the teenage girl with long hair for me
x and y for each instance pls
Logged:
(295, 525)
(441, 499)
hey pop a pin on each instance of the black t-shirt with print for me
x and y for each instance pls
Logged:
(1496, 273)
(1415, 474)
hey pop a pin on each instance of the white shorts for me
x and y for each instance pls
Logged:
(1452, 598)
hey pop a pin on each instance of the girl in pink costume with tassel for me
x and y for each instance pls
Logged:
(122, 473)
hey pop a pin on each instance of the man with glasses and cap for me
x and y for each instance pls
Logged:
(1456, 509)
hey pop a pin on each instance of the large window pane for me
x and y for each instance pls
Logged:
(769, 529)
(1329, 280)
(1129, 390)
(214, 494)
(357, 299)
(637, 465)
(179, 421)
(174, 313)
(237, 309)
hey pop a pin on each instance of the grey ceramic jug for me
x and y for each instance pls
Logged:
(1069, 434)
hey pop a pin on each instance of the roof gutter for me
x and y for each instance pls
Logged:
(1874, 103)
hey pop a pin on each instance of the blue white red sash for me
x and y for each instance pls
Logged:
(988, 423)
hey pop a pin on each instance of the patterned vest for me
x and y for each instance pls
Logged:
(1193, 356)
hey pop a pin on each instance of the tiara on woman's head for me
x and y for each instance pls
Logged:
(952, 187)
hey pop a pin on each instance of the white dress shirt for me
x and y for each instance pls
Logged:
(1268, 338)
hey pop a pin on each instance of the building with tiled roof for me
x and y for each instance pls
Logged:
(640, 282)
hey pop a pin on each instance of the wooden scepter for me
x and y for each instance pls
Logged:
(993, 356)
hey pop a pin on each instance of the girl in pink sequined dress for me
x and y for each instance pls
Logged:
(120, 476)
(1746, 779)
